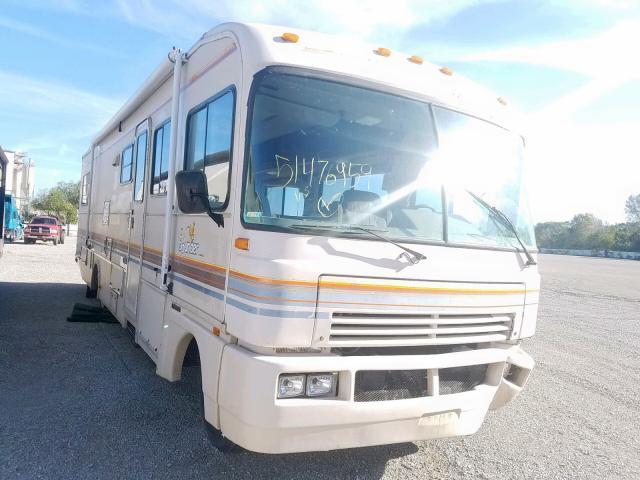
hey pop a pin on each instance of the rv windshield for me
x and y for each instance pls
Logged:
(328, 154)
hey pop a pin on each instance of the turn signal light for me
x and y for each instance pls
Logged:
(415, 59)
(241, 243)
(446, 71)
(385, 52)
(290, 37)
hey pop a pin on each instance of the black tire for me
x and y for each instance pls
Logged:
(219, 441)
(92, 290)
(215, 436)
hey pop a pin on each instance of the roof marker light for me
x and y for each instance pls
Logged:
(446, 71)
(384, 52)
(415, 59)
(290, 37)
(501, 100)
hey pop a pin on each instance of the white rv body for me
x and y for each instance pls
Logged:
(261, 303)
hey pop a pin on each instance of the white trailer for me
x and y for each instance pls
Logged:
(342, 230)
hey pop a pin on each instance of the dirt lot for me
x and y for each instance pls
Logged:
(81, 401)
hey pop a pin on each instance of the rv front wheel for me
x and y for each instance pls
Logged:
(222, 443)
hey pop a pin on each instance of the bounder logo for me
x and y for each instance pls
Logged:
(188, 245)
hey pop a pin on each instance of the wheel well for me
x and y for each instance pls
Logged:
(192, 355)
(187, 354)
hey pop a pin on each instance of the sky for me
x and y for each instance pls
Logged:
(571, 67)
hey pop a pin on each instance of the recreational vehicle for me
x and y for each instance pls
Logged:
(341, 229)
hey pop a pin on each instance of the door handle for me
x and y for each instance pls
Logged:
(131, 222)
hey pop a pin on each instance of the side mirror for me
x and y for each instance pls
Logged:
(193, 194)
(192, 191)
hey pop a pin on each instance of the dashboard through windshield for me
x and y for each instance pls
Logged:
(323, 153)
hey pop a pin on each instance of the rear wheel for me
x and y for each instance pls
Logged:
(92, 290)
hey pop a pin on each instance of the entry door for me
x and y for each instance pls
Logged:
(136, 218)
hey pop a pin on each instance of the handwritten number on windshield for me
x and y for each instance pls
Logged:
(289, 170)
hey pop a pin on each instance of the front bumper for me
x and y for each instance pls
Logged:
(40, 236)
(251, 415)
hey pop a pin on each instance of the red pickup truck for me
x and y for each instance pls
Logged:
(46, 228)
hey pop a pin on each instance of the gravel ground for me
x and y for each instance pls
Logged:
(81, 401)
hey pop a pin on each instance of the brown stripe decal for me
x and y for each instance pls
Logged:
(205, 276)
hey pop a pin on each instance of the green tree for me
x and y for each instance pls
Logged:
(552, 234)
(583, 228)
(632, 208)
(61, 201)
(71, 191)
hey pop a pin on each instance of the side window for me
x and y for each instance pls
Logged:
(126, 164)
(84, 189)
(160, 162)
(141, 161)
(209, 141)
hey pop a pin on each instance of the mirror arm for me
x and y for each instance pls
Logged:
(216, 217)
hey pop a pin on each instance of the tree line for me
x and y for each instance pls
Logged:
(587, 232)
(583, 232)
(61, 201)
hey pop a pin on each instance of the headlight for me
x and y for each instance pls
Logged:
(291, 386)
(321, 384)
(317, 385)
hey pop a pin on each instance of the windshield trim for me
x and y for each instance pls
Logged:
(368, 85)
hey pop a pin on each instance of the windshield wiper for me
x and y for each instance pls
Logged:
(507, 223)
(413, 256)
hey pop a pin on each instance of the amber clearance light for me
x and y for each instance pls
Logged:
(241, 243)
(290, 37)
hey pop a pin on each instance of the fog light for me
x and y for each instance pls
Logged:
(290, 386)
(321, 384)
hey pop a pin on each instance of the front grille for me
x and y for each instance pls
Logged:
(461, 379)
(381, 385)
(383, 330)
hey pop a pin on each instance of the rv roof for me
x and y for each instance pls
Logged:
(264, 45)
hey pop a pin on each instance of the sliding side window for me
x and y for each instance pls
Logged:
(160, 163)
(209, 141)
(84, 189)
(126, 164)
(141, 161)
